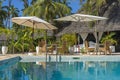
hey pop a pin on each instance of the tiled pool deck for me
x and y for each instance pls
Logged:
(62, 58)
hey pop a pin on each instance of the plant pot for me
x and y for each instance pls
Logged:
(4, 50)
(112, 48)
(54, 52)
(37, 49)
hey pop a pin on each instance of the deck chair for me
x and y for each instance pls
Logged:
(88, 47)
(62, 49)
(43, 48)
(42, 45)
(51, 48)
(105, 48)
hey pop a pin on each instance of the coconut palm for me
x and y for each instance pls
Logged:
(92, 6)
(3, 14)
(26, 3)
(14, 11)
(33, 1)
(2, 17)
(47, 9)
(11, 11)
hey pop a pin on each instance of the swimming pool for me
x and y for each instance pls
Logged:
(75, 70)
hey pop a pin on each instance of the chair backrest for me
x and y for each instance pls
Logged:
(63, 48)
(43, 46)
(106, 45)
(92, 44)
(86, 44)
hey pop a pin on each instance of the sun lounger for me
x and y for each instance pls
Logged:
(89, 46)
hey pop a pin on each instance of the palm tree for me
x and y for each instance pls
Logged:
(14, 11)
(47, 9)
(25, 3)
(11, 12)
(92, 6)
(3, 14)
(33, 1)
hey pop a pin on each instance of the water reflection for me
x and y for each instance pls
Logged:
(62, 71)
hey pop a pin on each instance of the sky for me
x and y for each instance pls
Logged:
(74, 4)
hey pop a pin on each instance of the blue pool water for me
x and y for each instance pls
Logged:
(88, 70)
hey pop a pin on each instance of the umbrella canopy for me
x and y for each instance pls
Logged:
(34, 22)
(78, 24)
(81, 18)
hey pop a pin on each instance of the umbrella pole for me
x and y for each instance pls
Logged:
(46, 52)
(97, 41)
(33, 34)
(78, 43)
(46, 43)
(33, 31)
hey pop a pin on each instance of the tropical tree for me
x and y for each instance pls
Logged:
(91, 6)
(26, 3)
(11, 11)
(14, 11)
(96, 7)
(3, 14)
(33, 1)
(47, 10)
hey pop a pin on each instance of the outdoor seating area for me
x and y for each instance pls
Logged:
(88, 48)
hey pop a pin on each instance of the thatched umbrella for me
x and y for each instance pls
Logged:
(77, 27)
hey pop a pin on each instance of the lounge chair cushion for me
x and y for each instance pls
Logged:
(91, 44)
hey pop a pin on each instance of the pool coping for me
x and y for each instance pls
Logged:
(59, 58)
(9, 60)
(70, 58)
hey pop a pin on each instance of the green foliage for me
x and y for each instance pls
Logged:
(24, 41)
(109, 38)
(9, 34)
(20, 40)
(69, 38)
(83, 50)
(47, 10)
(5, 31)
(93, 6)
